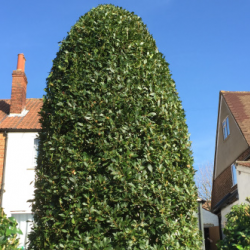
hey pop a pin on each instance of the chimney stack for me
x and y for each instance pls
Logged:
(19, 86)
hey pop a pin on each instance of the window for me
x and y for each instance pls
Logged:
(35, 153)
(24, 223)
(225, 127)
(234, 174)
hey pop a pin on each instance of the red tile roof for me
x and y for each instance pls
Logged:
(239, 104)
(243, 163)
(29, 121)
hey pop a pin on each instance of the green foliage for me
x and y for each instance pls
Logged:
(114, 166)
(237, 229)
(8, 232)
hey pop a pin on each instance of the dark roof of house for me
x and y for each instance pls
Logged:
(29, 121)
(243, 163)
(239, 104)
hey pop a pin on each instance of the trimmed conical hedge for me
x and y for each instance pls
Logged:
(114, 167)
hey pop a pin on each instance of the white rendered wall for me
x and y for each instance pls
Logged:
(209, 219)
(243, 182)
(19, 173)
(225, 211)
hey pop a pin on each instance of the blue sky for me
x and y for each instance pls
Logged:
(206, 43)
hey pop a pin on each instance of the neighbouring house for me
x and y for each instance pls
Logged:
(19, 126)
(231, 176)
(208, 225)
(211, 229)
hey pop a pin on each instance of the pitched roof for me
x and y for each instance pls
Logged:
(239, 104)
(28, 121)
(207, 205)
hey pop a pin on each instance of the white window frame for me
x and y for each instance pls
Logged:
(234, 174)
(225, 128)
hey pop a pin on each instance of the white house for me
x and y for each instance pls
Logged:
(19, 126)
(243, 177)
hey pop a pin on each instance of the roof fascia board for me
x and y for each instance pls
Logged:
(217, 131)
(19, 130)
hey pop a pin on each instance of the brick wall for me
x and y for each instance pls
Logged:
(2, 149)
(244, 155)
(18, 92)
(222, 185)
